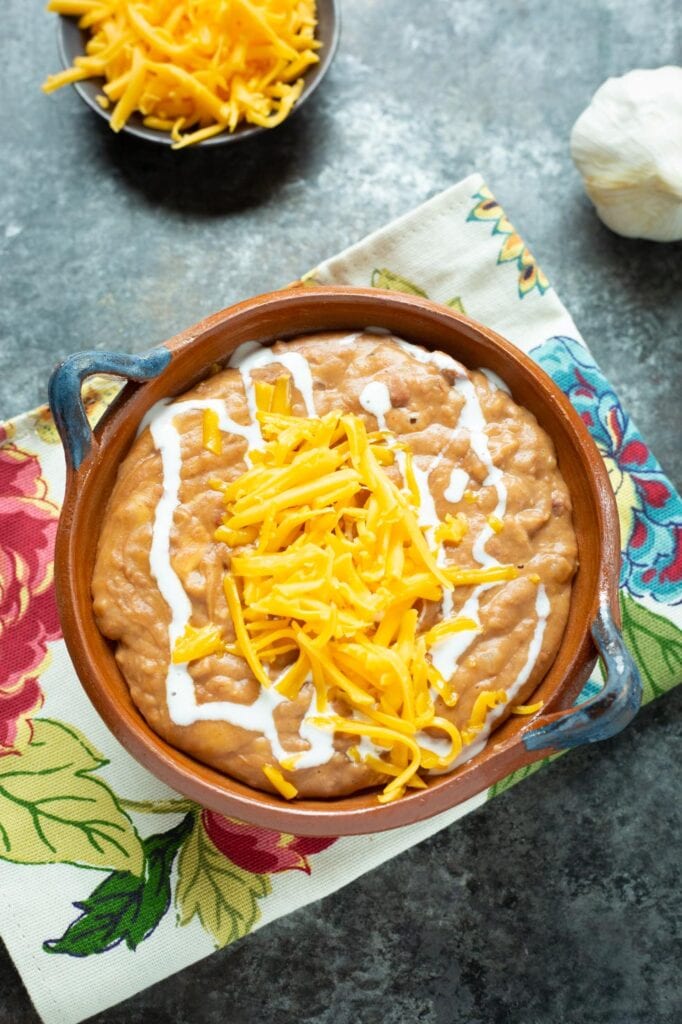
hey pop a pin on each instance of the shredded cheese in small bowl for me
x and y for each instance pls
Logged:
(190, 72)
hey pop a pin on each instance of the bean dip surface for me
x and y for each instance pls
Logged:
(477, 462)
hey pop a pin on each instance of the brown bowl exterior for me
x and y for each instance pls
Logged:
(286, 314)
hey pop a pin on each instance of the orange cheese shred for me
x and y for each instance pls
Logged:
(197, 643)
(282, 785)
(485, 701)
(452, 529)
(211, 436)
(527, 709)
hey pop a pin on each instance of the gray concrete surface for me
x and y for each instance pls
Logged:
(559, 902)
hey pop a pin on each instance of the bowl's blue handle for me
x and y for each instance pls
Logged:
(65, 391)
(608, 711)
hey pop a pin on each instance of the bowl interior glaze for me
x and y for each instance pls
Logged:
(286, 314)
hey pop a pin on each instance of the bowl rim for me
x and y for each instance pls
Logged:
(68, 31)
(93, 657)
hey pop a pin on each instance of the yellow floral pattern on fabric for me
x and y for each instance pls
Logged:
(513, 249)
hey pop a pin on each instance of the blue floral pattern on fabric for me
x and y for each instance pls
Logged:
(649, 508)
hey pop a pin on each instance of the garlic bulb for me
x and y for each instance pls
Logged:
(628, 147)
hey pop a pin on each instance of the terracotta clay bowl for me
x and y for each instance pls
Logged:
(92, 464)
(71, 42)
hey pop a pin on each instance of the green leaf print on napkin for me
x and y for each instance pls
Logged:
(656, 645)
(383, 278)
(388, 279)
(124, 907)
(53, 811)
(224, 896)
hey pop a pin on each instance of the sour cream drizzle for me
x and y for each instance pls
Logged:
(321, 740)
(294, 362)
(542, 610)
(470, 750)
(183, 708)
(494, 379)
(445, 654)
(441, 360)
(182, 705)
(375, 398)
(473, 421)
(459, 478)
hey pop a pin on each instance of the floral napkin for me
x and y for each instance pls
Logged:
(108, 880)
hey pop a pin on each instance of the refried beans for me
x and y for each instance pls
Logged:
(337, 563)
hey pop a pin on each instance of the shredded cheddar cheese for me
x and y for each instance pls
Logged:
(328, 564)
(211, 436)
(485, 701)
(282, 785)
(452, 529)
(194, 68)
(197, 643)
(527, 709)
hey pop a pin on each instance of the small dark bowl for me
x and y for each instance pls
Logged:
(71, 41)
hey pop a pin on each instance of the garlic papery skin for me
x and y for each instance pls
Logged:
(627, 146)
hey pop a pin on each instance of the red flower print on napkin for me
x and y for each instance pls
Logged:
(259, 849)
(28, 613)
